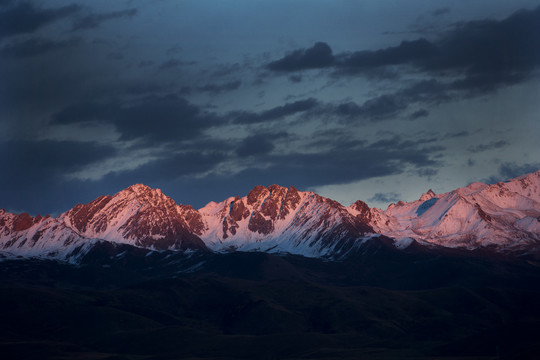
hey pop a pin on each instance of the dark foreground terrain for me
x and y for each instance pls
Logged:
(124, 303)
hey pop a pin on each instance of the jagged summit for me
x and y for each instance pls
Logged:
(505, 215)
(274, 218)
(140, 188)
(428, 195)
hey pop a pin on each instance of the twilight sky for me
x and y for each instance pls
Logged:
(377, 100)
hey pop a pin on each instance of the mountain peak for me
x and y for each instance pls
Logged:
(144, 194)
(428, 195)
(140, 188)
(281, 219)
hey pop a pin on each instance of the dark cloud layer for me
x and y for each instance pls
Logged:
(35, 46)
(31, 162)
(489, 146)
(278, 112)
(388, 197)
(419, 114)
(160, 94)
(391, 105)
(344, 162)
(511, 170)
(407, 51)
(255, 145)
(24, 17)
(162, 118)
(490, 52)
(92, 21)
(169, 168)
(440, 12)
(318, 56)
(335, 166)
(259, 144)
(218, 88)
(37, 155)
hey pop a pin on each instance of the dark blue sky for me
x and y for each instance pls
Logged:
(372, 100)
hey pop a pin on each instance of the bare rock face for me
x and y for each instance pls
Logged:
(272, 204)
(22, 222)
(285, 219)
(259, 224)
(192, 218)
(239, 211)
(364, 211)
(428, 195)
(141, 216)
(505, 215)
(257, 196)
(291, 201)
(81, 215)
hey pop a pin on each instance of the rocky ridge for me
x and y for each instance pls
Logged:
(504, 216)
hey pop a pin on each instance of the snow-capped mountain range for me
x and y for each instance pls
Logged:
(503, 216)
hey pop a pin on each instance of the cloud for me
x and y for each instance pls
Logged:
(278, 112)
(440, 12)
(427, 91)
(114, 55)
(510, 170)
(318, 56)
(457, 134)
(219, 88)
(407, 51)
(145, 63)
(490, 45)
(419, 114)
(35, 46)
(334, 167)
(492, 52)
(31, 161)
(382, 107)
(258, 144)
(489, 146)
(143, 87)
(227, 69)
(166, 65)
(155, 118)
(390, 105)
(295, 78)
(92, 21)
(342, 163)
(388, 197)
(24, 18)
(6, 2)
(397, 143)
(169, 168)
(486, 54)
(377, 108)
(38, 171)
(255, 145)
(427, 172)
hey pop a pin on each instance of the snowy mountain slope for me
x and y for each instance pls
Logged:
(273, 219)
(138, 216)
(279, 219)
(26, 236)
(505, 215)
